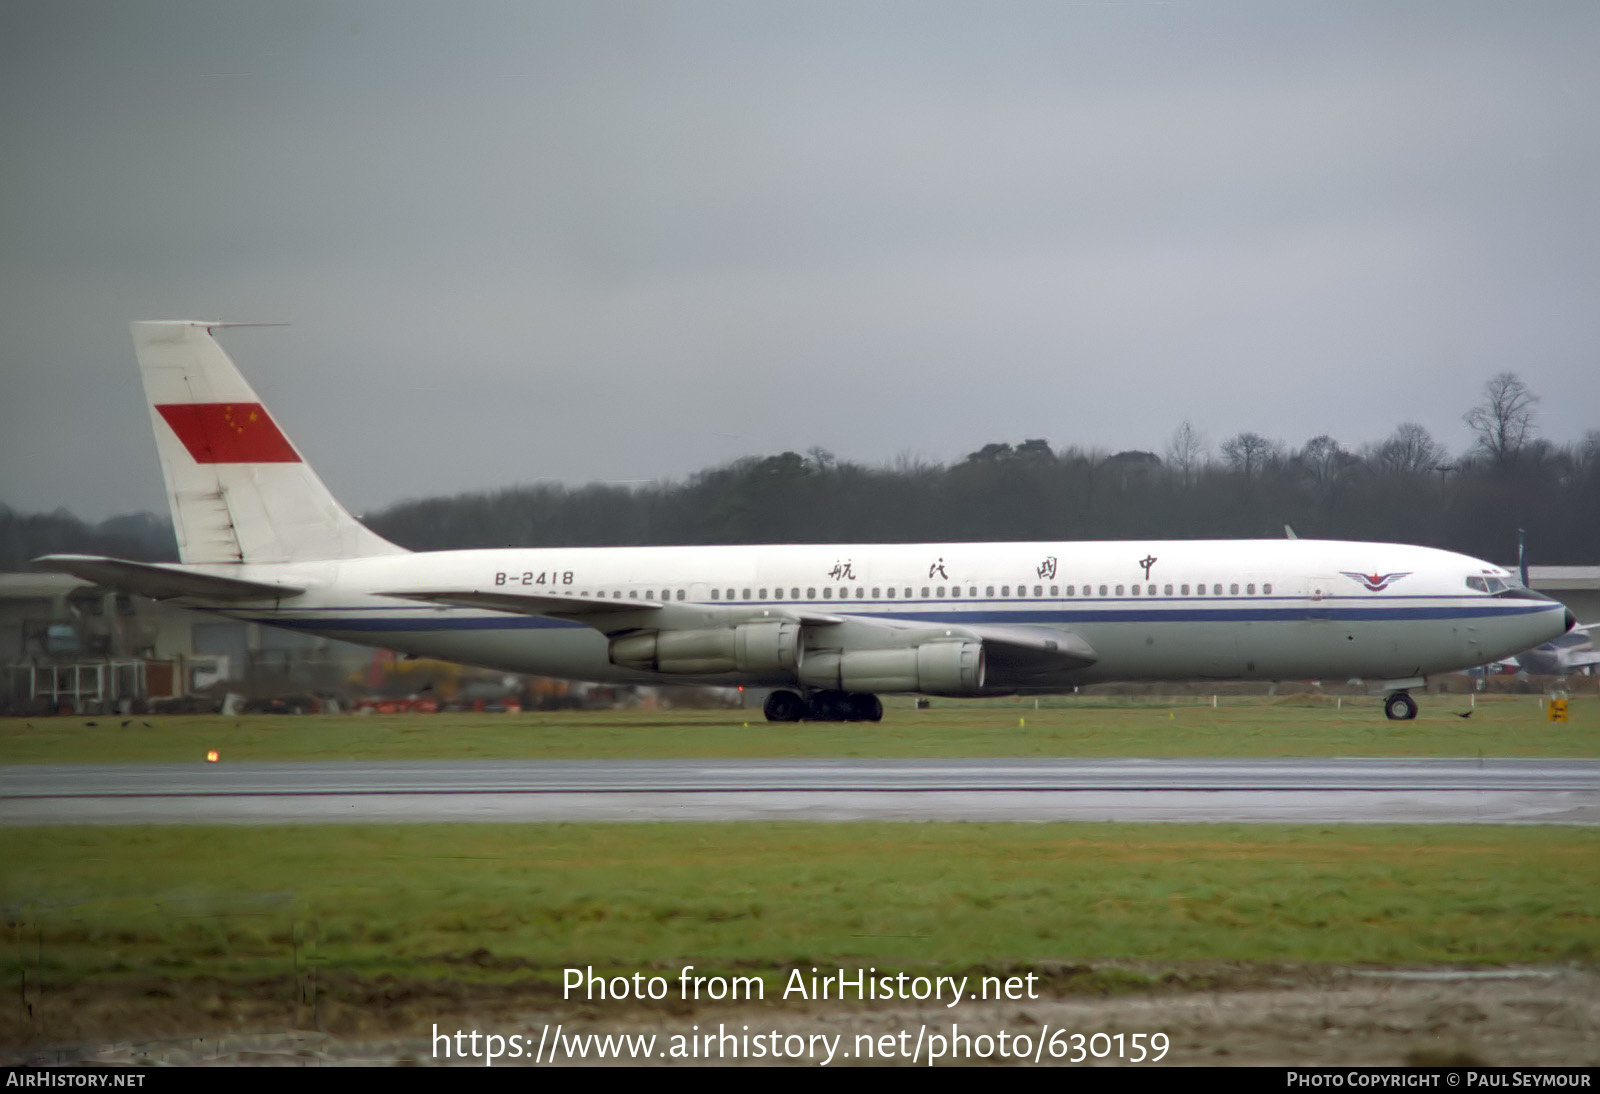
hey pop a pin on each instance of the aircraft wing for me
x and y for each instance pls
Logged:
(161, 580)
(597, 607)
(526, 604)
(1019, 655)
(1030, 651)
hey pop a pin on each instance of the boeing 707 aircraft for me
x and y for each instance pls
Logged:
(828, 628)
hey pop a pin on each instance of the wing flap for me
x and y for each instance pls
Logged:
(161, 580)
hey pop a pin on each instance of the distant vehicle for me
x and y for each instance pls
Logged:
(827, 627)
(1571, 652)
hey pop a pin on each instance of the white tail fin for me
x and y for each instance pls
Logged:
(238, 488)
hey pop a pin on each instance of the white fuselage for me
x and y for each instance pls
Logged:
(1251, 609)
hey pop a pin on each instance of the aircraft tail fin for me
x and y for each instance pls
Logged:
(239, 490)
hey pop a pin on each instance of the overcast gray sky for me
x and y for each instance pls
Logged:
(620, 241)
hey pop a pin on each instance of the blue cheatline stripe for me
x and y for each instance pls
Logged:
(505, 621)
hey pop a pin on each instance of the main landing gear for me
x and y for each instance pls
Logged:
(1400, 707)
(823, 706)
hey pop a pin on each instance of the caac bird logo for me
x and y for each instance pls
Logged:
(1376, 583)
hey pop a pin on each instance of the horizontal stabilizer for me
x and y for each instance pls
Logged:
(162, 581)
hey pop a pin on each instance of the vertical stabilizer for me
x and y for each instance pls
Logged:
(238, 488)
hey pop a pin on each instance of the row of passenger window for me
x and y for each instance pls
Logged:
(951, 592)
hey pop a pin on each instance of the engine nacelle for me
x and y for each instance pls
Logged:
(936, 668)
(767, 647)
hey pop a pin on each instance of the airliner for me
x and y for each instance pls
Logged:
(1572, 652)
(828, 628)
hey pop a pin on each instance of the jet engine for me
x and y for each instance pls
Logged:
(935, 668)
(749, 647)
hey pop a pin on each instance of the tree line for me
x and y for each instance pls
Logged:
(1406, 488)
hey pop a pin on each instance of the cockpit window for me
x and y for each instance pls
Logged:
(1499, 586)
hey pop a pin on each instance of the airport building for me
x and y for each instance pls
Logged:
(70, 646)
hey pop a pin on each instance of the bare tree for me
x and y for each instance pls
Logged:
(1186, 451)
(1504, 420)
(1408, 450)
(1247, 452)
(1322, 457)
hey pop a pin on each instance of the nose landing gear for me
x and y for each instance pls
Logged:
(1400, 707)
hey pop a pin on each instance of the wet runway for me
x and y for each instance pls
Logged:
(1405, 791)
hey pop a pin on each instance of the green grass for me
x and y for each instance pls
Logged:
(1501, 726)
(243, 903)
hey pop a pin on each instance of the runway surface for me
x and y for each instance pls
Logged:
(1407, 791)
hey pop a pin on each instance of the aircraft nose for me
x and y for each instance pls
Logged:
(1572, 620)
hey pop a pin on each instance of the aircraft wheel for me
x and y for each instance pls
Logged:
(865, 708)
(830, 706)
(1400, 707)
(784, 706)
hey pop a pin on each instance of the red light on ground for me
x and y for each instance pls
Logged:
(211, 756)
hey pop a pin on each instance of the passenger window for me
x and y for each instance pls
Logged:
(1151, 590)
(1216, 590)
(1137, 590)
(811, 594)
(972, 590)
(827, 594)
(1233, 590)
(633, 594)
(1199, 590)
(876, 593)
(891, 594)
(1183, 590)
(989, 591)
(955, 590)
(1166, 590)
(924, 592)
(714, 595)
(777, 594)
(908, 594)
(1055, 590)
(747, 594)
(1102, 590)
(1038, 590)
(1119, 590)
(861, 593)
(1005, 590)
(1250, 589)
(1266, 590)
(1070, 590)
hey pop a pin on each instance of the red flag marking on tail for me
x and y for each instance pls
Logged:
(228, 433)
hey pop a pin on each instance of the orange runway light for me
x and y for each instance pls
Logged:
(211, 756)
